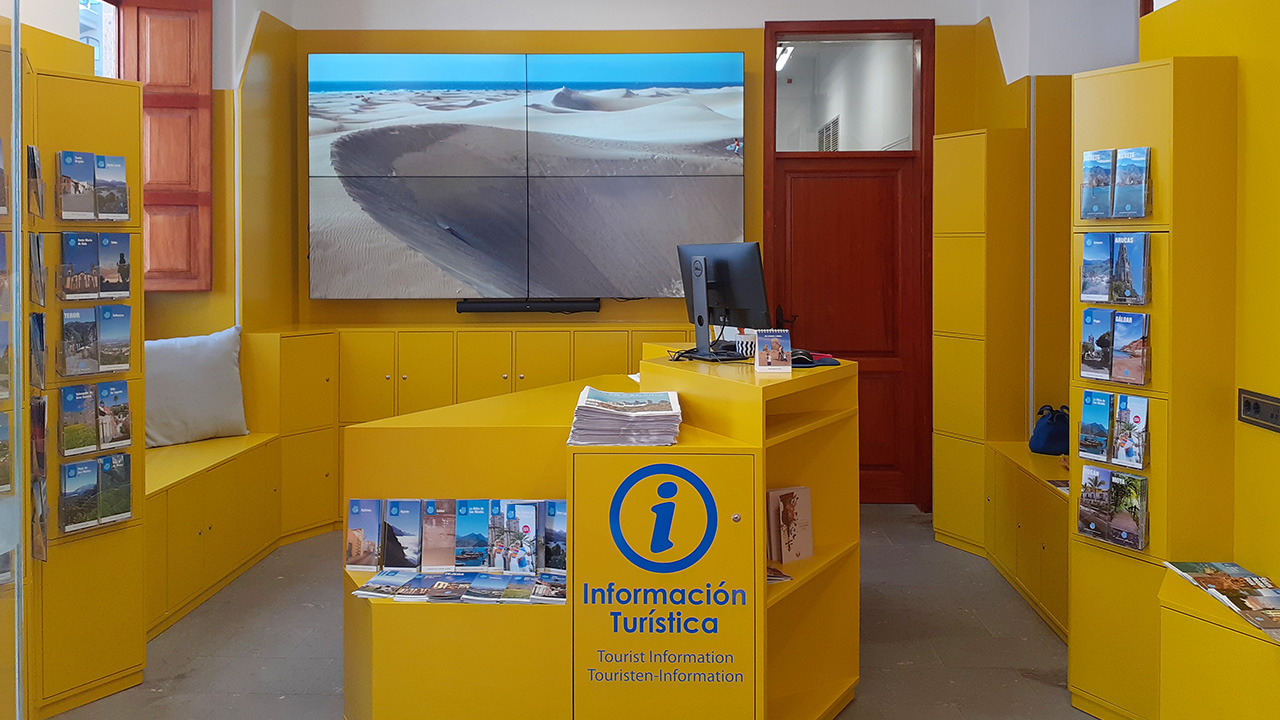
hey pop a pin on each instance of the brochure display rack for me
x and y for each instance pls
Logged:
(90, 399)
(746, 651)
(1184, 110)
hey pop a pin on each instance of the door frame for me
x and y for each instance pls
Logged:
(924, 31)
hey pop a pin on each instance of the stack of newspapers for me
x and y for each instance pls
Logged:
(619, 418)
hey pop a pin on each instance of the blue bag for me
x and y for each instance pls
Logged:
(1051, 435)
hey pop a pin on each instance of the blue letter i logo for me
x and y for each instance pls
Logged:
(664, 514)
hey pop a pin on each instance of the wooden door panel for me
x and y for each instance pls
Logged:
(171, 58)
(850, 282)
(170, 145)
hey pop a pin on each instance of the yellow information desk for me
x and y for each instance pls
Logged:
(686, 623)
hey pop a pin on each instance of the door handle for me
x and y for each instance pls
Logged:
(780, 318)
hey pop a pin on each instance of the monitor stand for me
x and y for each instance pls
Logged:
(702, 325)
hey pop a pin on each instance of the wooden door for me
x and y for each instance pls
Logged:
(366, 368)
(847, 262)
(425, 363)
(484, 364)
(168, 47)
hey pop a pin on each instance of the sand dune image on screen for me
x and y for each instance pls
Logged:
(456, 176)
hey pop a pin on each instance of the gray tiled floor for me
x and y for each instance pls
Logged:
(943, 637)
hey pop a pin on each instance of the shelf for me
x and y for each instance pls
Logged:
(802, 571)
(781, 427)
(817, 701)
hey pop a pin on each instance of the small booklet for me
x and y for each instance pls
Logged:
(1130, 268)
(113, 265)
(115, 488)
(1095, 500)
(78, 504)
(795, 524)
(472, 544)
(1095, 188)
(439, 534)
(773, 351)
(1095, 344)
(1128, 502)
(522, 532)
(385, 584)
(362, 544)
(417, 589)
(555, 536)
(775, 575)
(451, 586)
(115, 423)
(1130, 445)
(115, 337)
(1095, 425)
(75, 186)
(402, 534)
(486, 588)
(79, 421)
(79, 341)
(1132, 197)
(39, 275)
(1131, 348)
(519, 589)
(111, 188)
(550, 589)
(1256, 598)
(79, 273)
(1095, 268)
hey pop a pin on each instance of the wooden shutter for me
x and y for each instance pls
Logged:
(167, 45)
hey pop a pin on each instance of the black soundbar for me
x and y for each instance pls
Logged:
(576, 305)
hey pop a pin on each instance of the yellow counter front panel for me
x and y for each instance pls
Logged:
(675, 625)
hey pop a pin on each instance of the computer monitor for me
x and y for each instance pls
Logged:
(723, 285)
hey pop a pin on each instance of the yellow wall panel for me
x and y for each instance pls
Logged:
(424, 362)
(309, 481)
(953, 97)
(366, 371)
(1052, 263)
(308, 382)
(640, 337)
(960, 284)
(960, 183)
(959, 392)
(959, 480)
(600, 353)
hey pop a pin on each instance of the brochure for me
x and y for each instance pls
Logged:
(486, 588)
(1128, 510)
(522, 533)
(620, 418)
(1131, 348)
(39, 275)
(1130, 446)
(402, 534)
(113, 265)
(795, 524)
(1132, 183)
(1130, 268)
(550, 589)
(115, 423)
(1095, 344)
(39, 351)
(451, 586)
(417, 589)
(78, 420)
(35, 182)
(439, 532)
(472, 547)
(363, 539)
(384, 584)
(75, 185)
(1095, 269)
(78, 504)
(1095, 501)
(1095, 188)
(79, 266)
(1255, 598)
(111, 188)
(115, 498)
(519, 589)
(6, 456)
(114, 337)
(79, 341)
(555, 534)
(1095, 425)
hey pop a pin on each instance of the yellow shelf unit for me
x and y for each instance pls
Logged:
(1184, 109)
(981, 321)
(727, 409)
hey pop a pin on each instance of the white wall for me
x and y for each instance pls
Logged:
(56, 16)
(1062, 37)
(869, 85)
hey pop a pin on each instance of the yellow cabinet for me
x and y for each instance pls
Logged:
(93, 623)
(1006, 477)
(1053, 562)
(223, 520)
(959, 386)
(424, 362)
(600, 352)
(1029, 531)
(310, 480)
(959, 479)
(959, 284)
(308, 382)
(640, 337)
(542, 358)
(484, 364)
(258, 476)
(960, 183)
(186, 562)
(156, 556)
(366, 371)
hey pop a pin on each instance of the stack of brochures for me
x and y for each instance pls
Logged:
(1254, 597)
(619, 418)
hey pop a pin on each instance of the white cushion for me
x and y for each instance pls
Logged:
(193, 388)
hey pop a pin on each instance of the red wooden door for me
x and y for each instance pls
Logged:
(848, 264)
(851, 273)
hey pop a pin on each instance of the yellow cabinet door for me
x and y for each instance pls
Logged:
(308, 382)
(959, 284)
(93, 622)
(366, 371)
(542, 358)
(960, 183)
(310, 480)
(959, 386)
(156, 556)
(640, 337)
(424, 361)
(224, 520)
(1054, 511)
(684, 524)
(484, 364)
(1029, 523)
(1004, 546)
(600, 352)
(258, 474)
(959, 484)
(186, 563)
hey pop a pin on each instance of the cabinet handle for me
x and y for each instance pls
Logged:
(521, 376)
(326, 474)
(326, 379)
(504, 376)
(388, 377)
(404, 377)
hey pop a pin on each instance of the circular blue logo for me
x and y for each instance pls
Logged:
(355, 508)
(1088, 318)
(667, 490)
(1093, 526)
(395, 509)
(106, 464)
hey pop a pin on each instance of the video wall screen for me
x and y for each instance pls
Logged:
(513, 176)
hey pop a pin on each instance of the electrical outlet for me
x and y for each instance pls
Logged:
(1261, 410)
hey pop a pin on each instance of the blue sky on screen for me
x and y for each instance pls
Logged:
(704, 68)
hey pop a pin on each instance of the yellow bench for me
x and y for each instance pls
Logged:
(213, 510)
